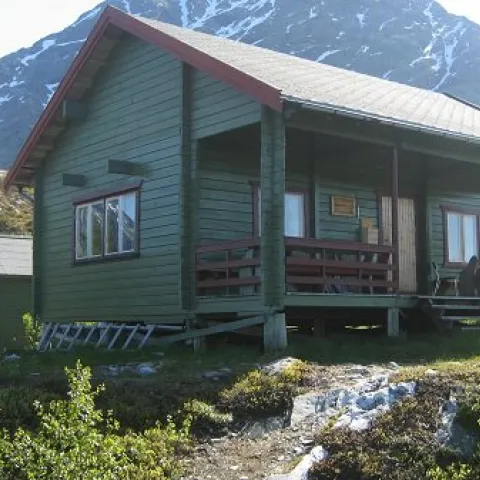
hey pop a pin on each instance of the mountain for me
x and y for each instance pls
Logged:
(411, 41)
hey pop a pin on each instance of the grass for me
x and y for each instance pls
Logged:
(362, 348)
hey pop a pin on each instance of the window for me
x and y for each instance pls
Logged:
(295, 214)
(106, 227)
(461, 236)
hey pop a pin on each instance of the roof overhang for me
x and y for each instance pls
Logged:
(106, 33)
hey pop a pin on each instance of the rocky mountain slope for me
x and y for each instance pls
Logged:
(411, 41)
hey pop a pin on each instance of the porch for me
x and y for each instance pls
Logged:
(309, 220)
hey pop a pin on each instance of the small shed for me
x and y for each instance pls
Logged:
(15, 287)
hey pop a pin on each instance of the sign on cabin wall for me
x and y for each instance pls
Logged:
(343, 206)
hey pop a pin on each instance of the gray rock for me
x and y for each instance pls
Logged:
(13, 357)
(318, 454)
(145, 369)
(279, 366)
(259, 428)
(394, 365)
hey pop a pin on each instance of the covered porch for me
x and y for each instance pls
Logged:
(307, 213)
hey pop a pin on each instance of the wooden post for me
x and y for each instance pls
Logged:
(395, 231)
(272, 225)
(393, 322)
(423, 228)
(188, 196)
(275, 332)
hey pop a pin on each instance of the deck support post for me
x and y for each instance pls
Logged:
(395, 227)
(393, 322)
(272, 222)
(275, 332)
(319, 327)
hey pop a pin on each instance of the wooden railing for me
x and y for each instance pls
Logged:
(331, 266)
(311, 266)
(229, 268)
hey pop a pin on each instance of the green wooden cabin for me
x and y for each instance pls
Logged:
(15, 288)
(182, 177)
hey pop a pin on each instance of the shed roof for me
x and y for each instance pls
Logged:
(270, 77)
(15, 255)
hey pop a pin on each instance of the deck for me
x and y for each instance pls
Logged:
(318, 273)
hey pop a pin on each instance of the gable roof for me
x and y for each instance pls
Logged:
(270, 77)
(15, 255)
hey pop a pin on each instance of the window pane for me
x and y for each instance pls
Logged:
(111, 224)
(128, 221)
(470, 236)
(81, 232)
(97, 228)
(455, 253)
(294, 215)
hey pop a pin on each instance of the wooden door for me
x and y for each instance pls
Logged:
(407, 240)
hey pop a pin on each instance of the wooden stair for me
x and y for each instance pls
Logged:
(447, 312)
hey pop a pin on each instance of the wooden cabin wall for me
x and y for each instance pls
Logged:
(135, 114)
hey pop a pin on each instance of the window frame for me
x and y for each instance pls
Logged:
(102, 196)
(451, 209)
(293, 190)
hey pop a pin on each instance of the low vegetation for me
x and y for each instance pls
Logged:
(16, 213)
(75, 440)
(144, 427)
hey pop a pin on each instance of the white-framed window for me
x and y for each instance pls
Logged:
(106, 227)
(295, 213)
(461, 236)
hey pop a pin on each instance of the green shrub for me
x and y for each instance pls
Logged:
(205, 418)
(75, 440)
(258, 394)
(32, 331)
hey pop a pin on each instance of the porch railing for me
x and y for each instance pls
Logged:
(311, 266)
(229, 268)
(331, 266)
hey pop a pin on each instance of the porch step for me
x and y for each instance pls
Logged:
(444, 312)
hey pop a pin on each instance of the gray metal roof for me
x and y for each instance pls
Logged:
(335, 89)
(15, 255)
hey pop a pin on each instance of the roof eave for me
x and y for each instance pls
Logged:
(262, 92)
(390, 121)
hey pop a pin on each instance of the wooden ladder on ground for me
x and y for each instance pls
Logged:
(449, 311)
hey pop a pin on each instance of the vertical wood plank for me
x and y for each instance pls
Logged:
(395, 229)
(272, 207)
(188, 195)
(38, 244)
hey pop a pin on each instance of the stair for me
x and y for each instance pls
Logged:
(447, 312)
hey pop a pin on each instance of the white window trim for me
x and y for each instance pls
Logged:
(89, 207)
(89, 227)
(452, 212)
(120, 249)
(301, 216)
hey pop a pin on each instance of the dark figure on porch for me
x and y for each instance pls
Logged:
(467, 281)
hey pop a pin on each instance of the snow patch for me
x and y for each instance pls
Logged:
(51, 87)
(6, 98)
(183, 4)
(386, 75)
(384, 24)
(127, 6)
(361, 19)
(64, 44)
(326, 54)
(87, 16)
(46, 44)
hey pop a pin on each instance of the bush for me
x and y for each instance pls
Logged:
(205, 418)
(258, 394)
(74, 441)
(32, 331)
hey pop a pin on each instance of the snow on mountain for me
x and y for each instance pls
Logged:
(412, 41)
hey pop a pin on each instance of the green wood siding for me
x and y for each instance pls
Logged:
(468, 201)
(218, 107)
(134, 116)
(343, 228)
(15, 300)
(226, 209)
